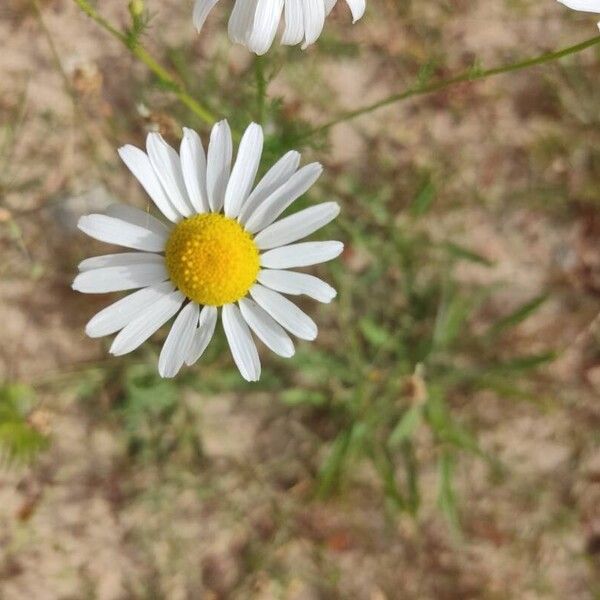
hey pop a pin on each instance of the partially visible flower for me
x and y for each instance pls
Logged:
(592, 6)
(204, 260)
(254, 23)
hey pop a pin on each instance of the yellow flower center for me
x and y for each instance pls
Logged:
(212, 259)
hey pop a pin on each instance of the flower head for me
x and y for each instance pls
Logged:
(221, 249)
(254, 23)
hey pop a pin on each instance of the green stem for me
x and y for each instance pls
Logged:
(91, 12)
(261, 88)
(163, 75)
(466, 76)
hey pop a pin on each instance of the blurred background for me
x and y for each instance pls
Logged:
(438, 441)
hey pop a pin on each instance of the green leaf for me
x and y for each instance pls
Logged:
(20, 443)
(298, 397)
(319, 366)
(407, 425)
(451, 316)
(524, 363)
(436, 411)
(458, 251)
(358, 439)
(446, 494)
(147, 396)
(412, 477)
(330, 471)
(463, 439)
(447, 429)
(519, 315)
(426, 72)
(373, 333)
(504, 386)
(387, 472)
(423, 200)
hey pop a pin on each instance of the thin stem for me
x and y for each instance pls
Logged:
(164, 76)
(466, 76)
(261, 88)
(93, 14)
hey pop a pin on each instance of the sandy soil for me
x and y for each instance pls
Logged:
(239, 521)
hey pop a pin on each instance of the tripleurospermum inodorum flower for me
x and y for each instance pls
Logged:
(222, 248)
(254, 23)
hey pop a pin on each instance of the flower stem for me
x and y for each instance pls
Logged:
(163, 75)
(261, 88)
(466, 76)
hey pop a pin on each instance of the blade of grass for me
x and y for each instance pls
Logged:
(329, 474)
(446, 494)
(406, 426)
(424, 199)
(463, 253)
(519, 315)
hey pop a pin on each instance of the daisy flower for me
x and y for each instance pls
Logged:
(221, 250)
(254, 23)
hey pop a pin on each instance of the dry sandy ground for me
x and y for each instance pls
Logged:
(84, 523)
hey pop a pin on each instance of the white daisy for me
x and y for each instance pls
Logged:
(254, 23)
(222, 249)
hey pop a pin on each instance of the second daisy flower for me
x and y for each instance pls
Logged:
(254, 23)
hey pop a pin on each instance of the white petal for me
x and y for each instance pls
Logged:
(115, 316)
(167, 166)
(244, 170)
(193, 166)
(218, 164)
(148, 321)
(266, 328)
(329, 4)
(281, 198)
(297, 226)
(274, 178)
(241, 344)
(294, 23)
(584, 5)
(314, 19)
(241, 20)
(290, 282)
(266, 21)
(135, 216)
(203, 334)
(120, 260)
(117, 279)
(139, 164)
(285, 312)
(119, 232)
(178, 342)
(357, 8)
(301, 255)
(201, 10)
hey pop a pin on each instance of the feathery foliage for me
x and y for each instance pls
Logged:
(20, 441)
